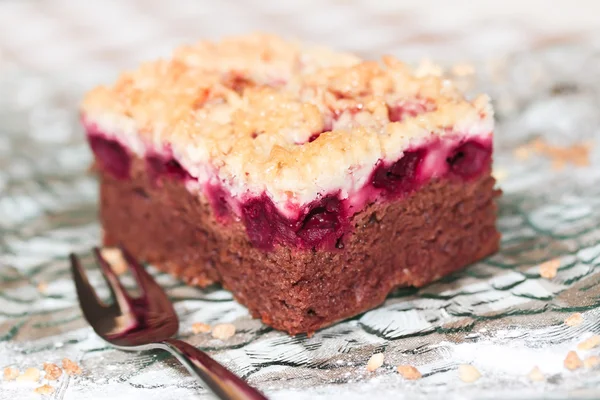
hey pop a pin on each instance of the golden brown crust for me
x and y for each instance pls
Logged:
(248, 106)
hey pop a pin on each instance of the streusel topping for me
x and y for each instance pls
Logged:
(261, 114)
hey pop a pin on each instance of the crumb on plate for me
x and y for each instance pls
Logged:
(589, 343)
(549, 268)
(409, 372)
(572, 361)
(535, 375)
(200, 327)
(30, 375)
(53, 372)
(577, 154)
(71, 367)
(45, 389)
(10, 373)
(223, 331)
(42, 287)
(468, 373)
(591, 361)
(115, 259)
(574, 320)
(375, 362)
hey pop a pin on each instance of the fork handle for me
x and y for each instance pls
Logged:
(224, 383)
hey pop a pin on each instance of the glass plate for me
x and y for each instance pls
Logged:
(499, 315)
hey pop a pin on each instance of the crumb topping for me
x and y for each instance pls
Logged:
(279, 116)
(375, 362)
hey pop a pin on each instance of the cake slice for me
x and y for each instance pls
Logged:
(308, 182)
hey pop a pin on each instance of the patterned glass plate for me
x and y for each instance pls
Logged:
(499, 315)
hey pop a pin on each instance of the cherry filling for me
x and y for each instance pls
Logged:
(264, 224)
(217, 197)
(409, 109)
(313, 137)
(323, 224)
(469, 159)
(400, 177)
(328, 126)
(159, 167)
(111, 156)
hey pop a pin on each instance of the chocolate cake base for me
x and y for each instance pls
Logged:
(444, 226)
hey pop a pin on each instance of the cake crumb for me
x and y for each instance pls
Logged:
(468, 373)
(200, 327)
(574, 320)
(71, 367)
(589, 343)
(223, 331)
(572, 361)
(114, 258)
(375, 362)
(536, 375)
(591, 361)
(42, 287)
(10, 373)
(45, 390)
(549, 268)
(409, 372)
(30, 375)
(53, 372)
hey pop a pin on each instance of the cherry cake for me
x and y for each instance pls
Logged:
(308, 182)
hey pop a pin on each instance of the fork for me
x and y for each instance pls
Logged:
(149, 322)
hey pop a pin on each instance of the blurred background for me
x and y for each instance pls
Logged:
(515, 50)
(96, 37)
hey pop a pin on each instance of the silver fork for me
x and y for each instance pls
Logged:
(149, 322)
